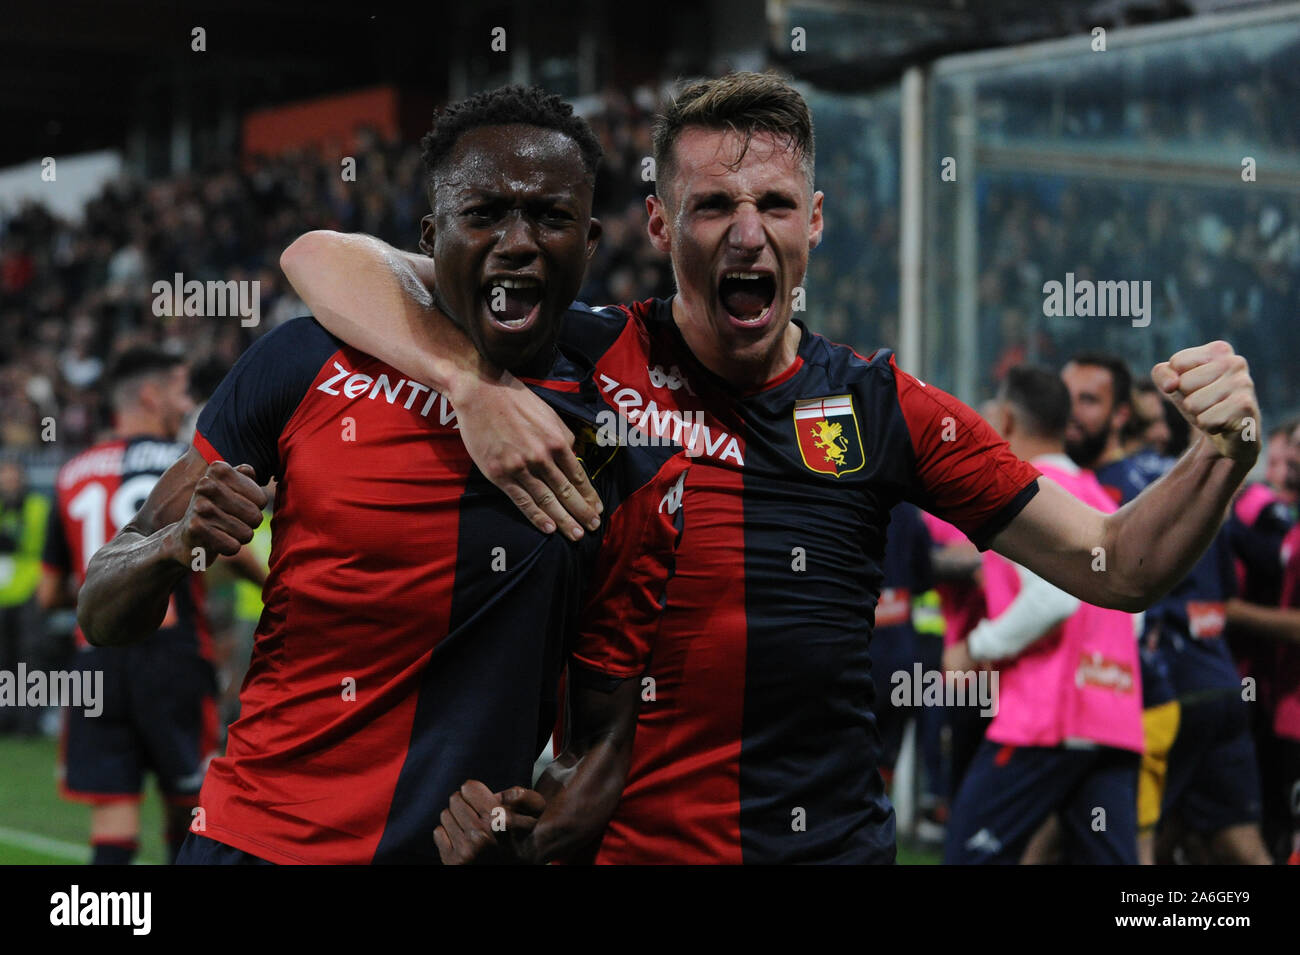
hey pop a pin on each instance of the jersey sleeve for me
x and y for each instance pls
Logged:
(55, 554)
(589, 332)
(964, 472)
(625, 600)
(243, 421)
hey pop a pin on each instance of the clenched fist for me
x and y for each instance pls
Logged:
(1211, 386)
(224, 510)
(479, 825)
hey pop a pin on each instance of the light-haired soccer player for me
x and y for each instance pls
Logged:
(759, 745)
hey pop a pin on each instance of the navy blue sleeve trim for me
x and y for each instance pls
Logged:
(246, 415)
(994, 526)
(587, 678)
(586, 333)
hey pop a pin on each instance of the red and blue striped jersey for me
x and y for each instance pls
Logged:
(415, 623)
(96, 494)
(760, 743)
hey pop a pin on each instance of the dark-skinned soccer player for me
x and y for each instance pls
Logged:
(759, 744)
(416, 621)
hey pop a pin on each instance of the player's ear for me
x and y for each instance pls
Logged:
(816, 222)
(594, 232)
(427, 232)
(150, 394)
(657, 226)
(1120, 415)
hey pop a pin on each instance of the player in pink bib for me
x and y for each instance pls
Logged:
(1067, 734)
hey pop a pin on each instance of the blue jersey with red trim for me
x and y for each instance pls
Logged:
(1187, 624)
(760, 743)
(414, 621)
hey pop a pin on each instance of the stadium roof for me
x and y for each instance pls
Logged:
(81, 76)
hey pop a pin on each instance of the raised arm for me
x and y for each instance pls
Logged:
(1128, 559)
(378, 299)
(195, 510)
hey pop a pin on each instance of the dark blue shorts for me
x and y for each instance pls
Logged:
(200, 850)
(1213, 779)
(159, 716)
(1009, 791)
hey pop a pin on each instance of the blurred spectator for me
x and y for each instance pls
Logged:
(1219, 267)
(73, 295)
(23, 518)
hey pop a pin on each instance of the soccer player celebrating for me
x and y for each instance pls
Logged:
(759, 744)
(414, 622)
(158, 712)
(1067, 734)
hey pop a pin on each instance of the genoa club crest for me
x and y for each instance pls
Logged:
(827, 430)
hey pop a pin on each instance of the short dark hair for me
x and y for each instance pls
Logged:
(1121, 379)
(528, 105)
(742, 102)
(133, 366)
(1040, 398)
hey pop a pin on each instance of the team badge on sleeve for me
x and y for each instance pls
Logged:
(828, 435)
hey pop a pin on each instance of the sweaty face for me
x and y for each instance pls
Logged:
(739, 233)
(511, 232)
(1091, 408)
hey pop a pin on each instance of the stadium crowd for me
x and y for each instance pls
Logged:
(73, 295)
(1219, 268)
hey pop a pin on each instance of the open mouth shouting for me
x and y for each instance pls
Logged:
(746, 295)
(513, 302)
